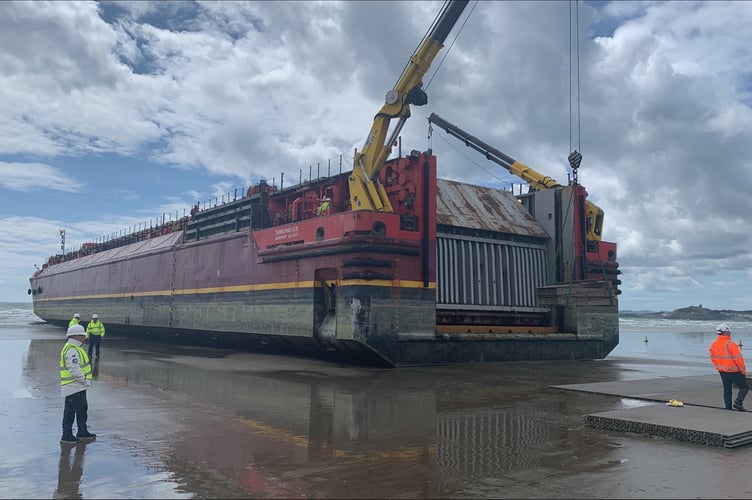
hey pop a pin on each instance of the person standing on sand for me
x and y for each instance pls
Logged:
(74, 320)
(728, 360)
(75, 378)
(94, 334)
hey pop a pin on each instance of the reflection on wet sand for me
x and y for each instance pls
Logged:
(234, 425)
(484, 443)
(70, 471)
(281, 430)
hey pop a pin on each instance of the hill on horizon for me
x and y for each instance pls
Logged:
(694, 312)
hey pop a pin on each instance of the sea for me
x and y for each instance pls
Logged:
(181, 422)
(641, 337)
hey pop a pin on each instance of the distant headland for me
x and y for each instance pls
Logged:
(693, 312)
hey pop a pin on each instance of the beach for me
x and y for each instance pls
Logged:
(192, 422)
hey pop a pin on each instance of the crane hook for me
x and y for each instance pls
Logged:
(575, 158)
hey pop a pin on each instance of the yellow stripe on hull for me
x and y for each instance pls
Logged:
(242, 288)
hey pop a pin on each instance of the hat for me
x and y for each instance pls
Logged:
(94, 316)
(722, 328)
(76, 315)
(76, 330)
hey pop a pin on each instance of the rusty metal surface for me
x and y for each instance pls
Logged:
(479, 207)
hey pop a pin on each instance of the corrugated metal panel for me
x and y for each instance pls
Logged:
(478, 207)
(481, 273)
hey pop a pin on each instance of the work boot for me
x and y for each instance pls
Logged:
(739, 407)
(85, 434)
(68, 437)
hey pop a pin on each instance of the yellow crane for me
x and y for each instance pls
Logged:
(366, 193)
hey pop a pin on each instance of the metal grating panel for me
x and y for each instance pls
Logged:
(488, 273)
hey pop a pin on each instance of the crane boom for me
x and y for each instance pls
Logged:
(366, 193)
(537, 181)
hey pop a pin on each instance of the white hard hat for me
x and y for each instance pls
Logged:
(722, 328)
(326, 198)
(94, 316)
(76, 315)
(76, 330)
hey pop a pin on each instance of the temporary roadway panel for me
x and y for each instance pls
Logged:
(702, 419)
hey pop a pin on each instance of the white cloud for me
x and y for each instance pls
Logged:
(20, 176)
(231, 92)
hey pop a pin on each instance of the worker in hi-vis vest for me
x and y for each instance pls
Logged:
(75, 378)
(94, 333)
(325, 206)
(76, 319)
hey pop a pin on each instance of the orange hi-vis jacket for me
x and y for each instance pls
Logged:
(726, 355)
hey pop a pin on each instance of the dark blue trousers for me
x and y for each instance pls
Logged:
(76, 408)
(737, 379)
(94, 341)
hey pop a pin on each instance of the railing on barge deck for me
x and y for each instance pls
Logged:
(250, 211)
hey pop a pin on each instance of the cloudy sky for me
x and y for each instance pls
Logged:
(116, 113)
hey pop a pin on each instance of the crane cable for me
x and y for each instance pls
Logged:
(577, 64)
(435, 71)
(425, 35)
(449, 49)
(575, 157)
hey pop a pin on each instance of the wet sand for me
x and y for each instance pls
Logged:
(188, 422)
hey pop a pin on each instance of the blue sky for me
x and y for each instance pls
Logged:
(116, 113)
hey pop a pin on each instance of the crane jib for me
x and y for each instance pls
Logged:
(473, 142)
(448, 19)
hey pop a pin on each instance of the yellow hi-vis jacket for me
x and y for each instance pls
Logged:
(324, 208)
(73, 321)
(66, 377)
(95, 327)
